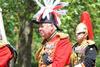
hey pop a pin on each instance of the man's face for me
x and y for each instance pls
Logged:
(81, 32)
(81, 36)
(45, 30)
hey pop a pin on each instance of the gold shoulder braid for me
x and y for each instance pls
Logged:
(38, 52)
(62, 35)
(73, 59)
(91, 42)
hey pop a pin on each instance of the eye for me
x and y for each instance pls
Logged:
(80, 33)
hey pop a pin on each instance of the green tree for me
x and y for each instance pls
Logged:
(17, 15)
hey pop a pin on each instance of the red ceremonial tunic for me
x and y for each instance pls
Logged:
(5, 56)
(59, 54)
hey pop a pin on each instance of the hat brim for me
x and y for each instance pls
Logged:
(41, 22)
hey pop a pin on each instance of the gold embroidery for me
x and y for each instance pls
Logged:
(49, 47)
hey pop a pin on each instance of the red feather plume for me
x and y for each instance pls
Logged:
(85, 18)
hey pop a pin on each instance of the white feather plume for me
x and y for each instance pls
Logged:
(49, 7)
(2, 30)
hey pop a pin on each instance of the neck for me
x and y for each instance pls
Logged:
(52, 35)
(83, 42)
(49, 38)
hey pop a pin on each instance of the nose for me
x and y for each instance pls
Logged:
(39, 29)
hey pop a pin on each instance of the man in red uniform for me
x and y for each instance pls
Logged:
(56, 47)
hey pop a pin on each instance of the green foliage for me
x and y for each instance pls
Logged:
(14, 11)
(98, 61)
(70, 21)
(10, 19)
(76, 7)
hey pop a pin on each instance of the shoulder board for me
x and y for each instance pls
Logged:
(91, 42)
(62, 35)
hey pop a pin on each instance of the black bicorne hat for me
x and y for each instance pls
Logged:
(50, 12)
(51, 20)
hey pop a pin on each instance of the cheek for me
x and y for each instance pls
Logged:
(47, 31)
(80, 36)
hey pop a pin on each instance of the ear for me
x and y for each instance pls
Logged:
(85, 35)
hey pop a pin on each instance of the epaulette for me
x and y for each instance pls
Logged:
(91, 42)
(62, 35)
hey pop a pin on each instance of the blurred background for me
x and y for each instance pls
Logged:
(24, 36)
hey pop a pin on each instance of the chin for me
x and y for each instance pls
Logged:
(43, 37)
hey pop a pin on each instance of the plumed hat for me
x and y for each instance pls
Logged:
(50, 12)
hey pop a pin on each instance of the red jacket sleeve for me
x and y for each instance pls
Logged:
(5, 56)
(62, 53)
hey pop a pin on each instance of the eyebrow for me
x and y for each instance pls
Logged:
(81, 32)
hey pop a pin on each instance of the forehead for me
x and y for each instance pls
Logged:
(81, 28)
(44, 24)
